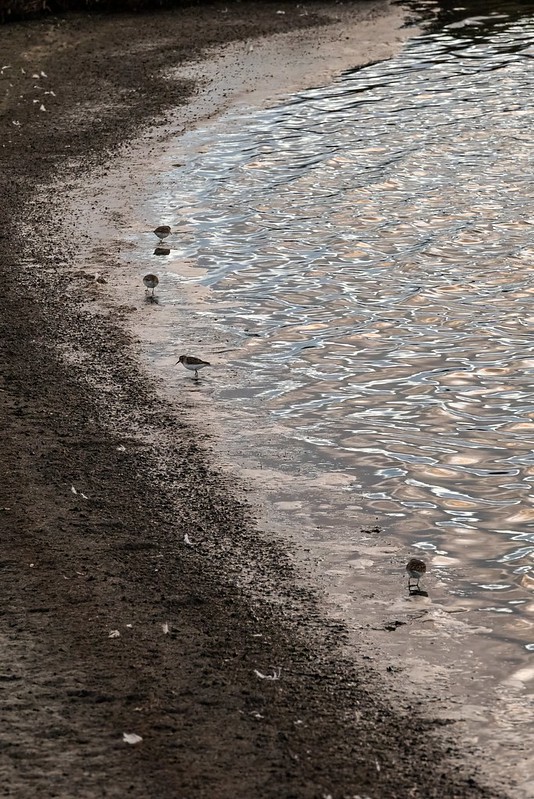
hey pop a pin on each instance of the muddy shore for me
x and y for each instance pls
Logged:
(111, 622)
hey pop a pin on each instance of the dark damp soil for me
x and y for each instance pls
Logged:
(110, 622)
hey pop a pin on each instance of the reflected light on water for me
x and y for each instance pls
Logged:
(375, 238)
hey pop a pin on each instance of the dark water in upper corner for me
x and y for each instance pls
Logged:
(377, 237)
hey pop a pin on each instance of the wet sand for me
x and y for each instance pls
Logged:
(140, 594)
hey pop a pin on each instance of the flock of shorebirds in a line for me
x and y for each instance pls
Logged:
(151, 281)
(415, 568)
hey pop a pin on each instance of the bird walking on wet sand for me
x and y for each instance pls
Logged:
(162, 231)
(151, 281)
(415, 569)
(192, 363)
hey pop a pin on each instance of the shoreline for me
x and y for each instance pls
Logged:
(480, 696)
(111, 555)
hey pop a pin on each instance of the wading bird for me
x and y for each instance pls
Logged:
(415, 569)
(162, 231)
(192, 363)
(151, 281)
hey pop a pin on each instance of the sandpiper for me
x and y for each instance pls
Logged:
(415, 569)
(162, 231)
(151, 281)
(192, 363)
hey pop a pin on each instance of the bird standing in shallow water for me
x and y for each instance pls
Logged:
(415, 569)
(192, 363)
(162, 231)
(151, 281)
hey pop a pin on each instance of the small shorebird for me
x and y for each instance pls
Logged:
(151, 281)
(191, 363)
(415, 569)
(162, 231)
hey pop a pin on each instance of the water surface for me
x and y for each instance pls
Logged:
(372, 242)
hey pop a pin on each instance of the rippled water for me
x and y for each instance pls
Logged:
(376, 238)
